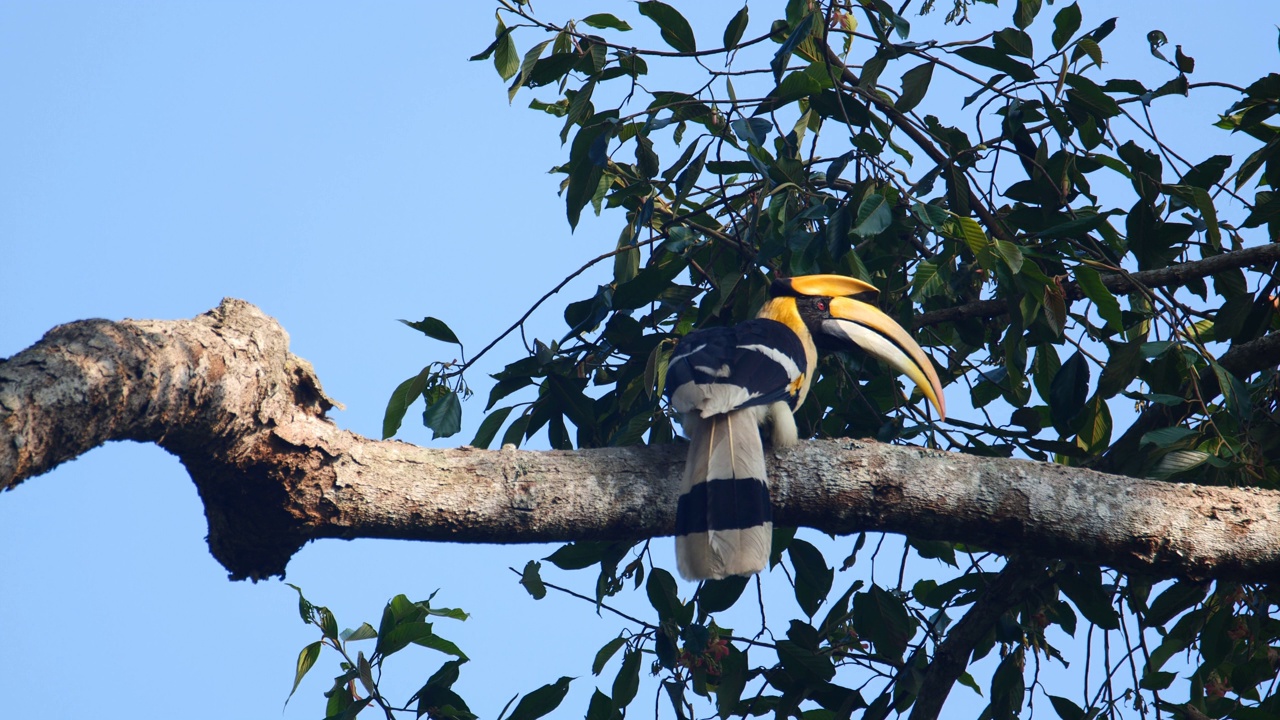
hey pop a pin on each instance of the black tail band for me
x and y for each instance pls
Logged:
(732, 504)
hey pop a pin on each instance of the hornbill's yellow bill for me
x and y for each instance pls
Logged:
(726, 382)
(876, 334)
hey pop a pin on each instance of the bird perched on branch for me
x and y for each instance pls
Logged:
(727, 382)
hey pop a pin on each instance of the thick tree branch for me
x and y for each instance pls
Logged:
(1010, 586)
(246, 418)
(1172, 276)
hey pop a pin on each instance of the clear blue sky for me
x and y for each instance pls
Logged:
(340, 165)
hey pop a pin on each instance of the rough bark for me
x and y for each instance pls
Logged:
(247, 419)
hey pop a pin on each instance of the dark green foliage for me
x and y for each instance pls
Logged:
(975, 184)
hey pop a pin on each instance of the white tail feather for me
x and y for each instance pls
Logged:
(724, 447)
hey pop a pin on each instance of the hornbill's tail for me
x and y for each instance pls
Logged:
(724, 520)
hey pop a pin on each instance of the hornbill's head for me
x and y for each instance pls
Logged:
(841, 314)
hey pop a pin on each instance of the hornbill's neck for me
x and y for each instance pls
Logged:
(786, 311)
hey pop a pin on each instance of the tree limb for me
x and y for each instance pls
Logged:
(247, 419)
(1020, 575)
(1172, 276)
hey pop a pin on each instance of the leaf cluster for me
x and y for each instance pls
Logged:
(1089, 287)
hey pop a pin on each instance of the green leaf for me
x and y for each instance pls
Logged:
(804, 664)
(435, 329)
(1026, 13)
(689, 178)
(646, 159)
(967, 680)
(400, 635)
(605, 21)
(528, 65)
(1065, 23)
(927, 282)
(1157, 680)
(719, 595)
(733, 31)
(875, 214)
(900, 24)
(1095, 426)
(505, 57)
(579, 555)
(1166, 437)
(1179, 461)
(798, 34)
(881, 617)
(489, 427)
(1066, 709)
(915, 84)
(751, 130)
(655, 369)
(627, 681)
(1068, 391)
(1180, 596)
(813, 577)
(1088, 47)
(1091, 96)
(1185, 63)
(607, 651)
(1209, 214)
(541, 701)
(436, 694)
(600, 708)
(661, 589)
(675, 29)
(1011, 254)
(1014, 42)
(364, 632)
(733, 680)
(531, 579)
(435, 642)
(1084, 588)
(401, 398)
(570, 400)
(1108, 307)
(1234, 392)
(1121, 368)
(306, 659)
(996, 60)
(444, 416)
(972, 234)
(931, 215)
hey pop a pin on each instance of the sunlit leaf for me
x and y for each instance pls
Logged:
(306, 659)
(1108, 307)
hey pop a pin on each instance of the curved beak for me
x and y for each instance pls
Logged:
(858, 323)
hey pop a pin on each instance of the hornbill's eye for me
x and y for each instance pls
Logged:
(822, 305)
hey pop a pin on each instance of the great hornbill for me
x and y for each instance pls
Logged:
(726, 382)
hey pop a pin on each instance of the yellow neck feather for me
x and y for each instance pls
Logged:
(784, 310)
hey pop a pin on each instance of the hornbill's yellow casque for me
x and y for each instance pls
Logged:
(726, 382)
